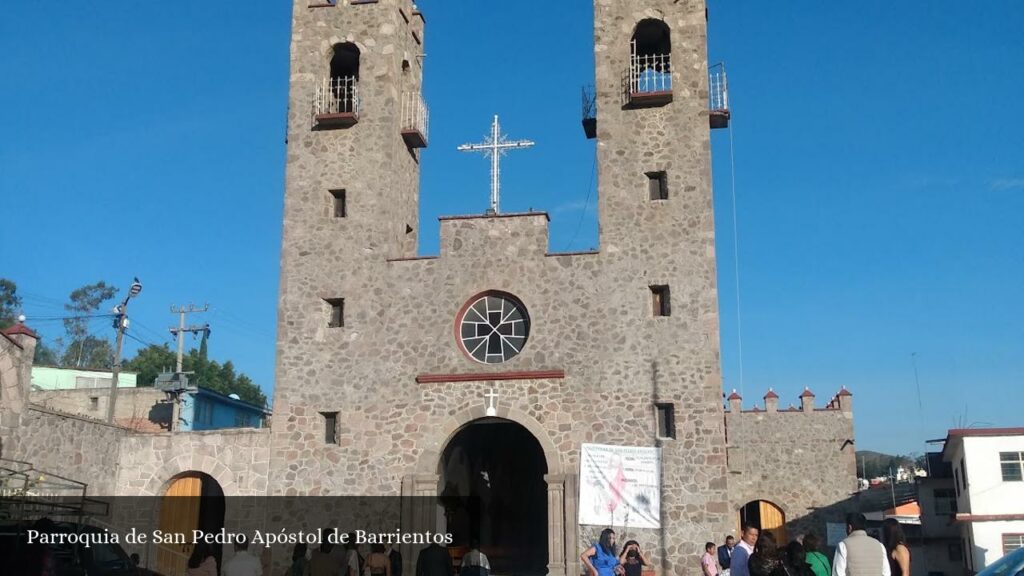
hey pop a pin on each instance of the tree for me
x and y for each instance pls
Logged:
(84, 301)
(10, 303)
(89, 352)
(149, 362)
(211, 375)
(45, 356)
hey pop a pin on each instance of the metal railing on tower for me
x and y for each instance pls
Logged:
(415, 120)
(337, 101)
(718, 96)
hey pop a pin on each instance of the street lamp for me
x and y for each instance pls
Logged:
(121, 325)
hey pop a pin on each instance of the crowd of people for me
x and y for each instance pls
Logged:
(758, 553)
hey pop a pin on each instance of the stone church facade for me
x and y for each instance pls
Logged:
(387, 360)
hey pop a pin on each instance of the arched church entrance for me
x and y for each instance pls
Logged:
(493, 492)
(766, 516)
(192, 501)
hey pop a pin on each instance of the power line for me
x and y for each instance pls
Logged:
(586, 203)
(54, 318)
(736, 256)
(139, 340)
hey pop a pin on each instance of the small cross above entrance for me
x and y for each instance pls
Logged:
(494, 146)
(491, 408)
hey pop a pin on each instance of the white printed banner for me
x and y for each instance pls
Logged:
(620, 486)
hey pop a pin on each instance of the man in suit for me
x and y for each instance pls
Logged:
(725, 552)
(434, 560)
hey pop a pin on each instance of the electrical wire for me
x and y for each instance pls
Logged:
(736, 255)
(586, 203)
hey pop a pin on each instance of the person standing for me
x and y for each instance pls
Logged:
(434, 560)
(202, 562)
(708, 562)
(475, 562)
(860, 554)
(815, 559)
(396, 560)
(243, 563)
(896, 547)
(601, 559)
(739, 563)
(632, 559)
(766, 561)
(300, 564)
(795, 560)
(725, 553)
(378, 563)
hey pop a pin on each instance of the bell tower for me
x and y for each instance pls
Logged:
(652, 112)
(356, 124)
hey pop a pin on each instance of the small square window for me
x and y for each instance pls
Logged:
(660, 300)
(94, 403)
(340, 205)
(330, 427)
(657, 184)
(337, 308)
(666, 415)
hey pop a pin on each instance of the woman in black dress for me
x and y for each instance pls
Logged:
(632, 559)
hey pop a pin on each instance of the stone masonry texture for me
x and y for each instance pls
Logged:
(597, 360)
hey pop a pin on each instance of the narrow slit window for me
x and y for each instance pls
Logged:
(660, 301)
(337, 312)
(666, 416)
(340, 204)
(657, 185)
(330, 427)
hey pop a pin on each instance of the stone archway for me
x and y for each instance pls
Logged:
(492, 488)
(767, 516)
(191, 501)
(423, 485)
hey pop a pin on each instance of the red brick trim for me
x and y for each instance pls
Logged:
(483, 376)
(988, 517)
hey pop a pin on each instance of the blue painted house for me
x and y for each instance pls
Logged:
(203, 409)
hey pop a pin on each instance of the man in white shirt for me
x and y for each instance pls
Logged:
(860, 554)
(243, 563)
(738, 565)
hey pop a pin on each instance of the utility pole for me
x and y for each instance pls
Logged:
(121, 325)
(180, 332)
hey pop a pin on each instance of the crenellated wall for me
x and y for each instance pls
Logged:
(801, 458)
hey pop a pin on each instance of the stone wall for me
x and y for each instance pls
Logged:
(800, 459)
(77, 448)
(17, 347)
(591, 314)
(237, 459)
(144, 409)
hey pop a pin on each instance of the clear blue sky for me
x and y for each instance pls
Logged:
(879, 174)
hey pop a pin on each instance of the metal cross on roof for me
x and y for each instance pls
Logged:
(494, 146)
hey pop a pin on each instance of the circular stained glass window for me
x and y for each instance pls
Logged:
(494, 328)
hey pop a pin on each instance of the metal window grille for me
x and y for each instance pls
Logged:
(650, 73)
(337, 96)
(415, 115)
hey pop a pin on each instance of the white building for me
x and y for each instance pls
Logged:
(988, 479)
